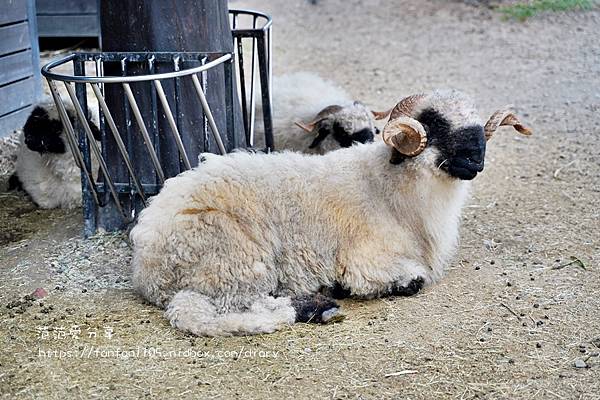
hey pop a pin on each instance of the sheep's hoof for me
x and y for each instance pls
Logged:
(413, 287)
(316, 308)
(332, 315)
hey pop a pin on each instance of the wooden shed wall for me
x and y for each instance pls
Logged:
(19, 63)
(68, 18)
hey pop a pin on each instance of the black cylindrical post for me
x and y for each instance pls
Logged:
(169, 26)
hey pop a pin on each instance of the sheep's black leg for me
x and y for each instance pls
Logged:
(316, 308)
(337, 291)
(14, 183)
(411, 288)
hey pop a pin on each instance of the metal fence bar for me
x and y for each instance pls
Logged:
(71, 139)
(132, 168)
(88, 201)
(242, 89)
(252, 90)
(130, 78)
(154, 110)
(229, 85)
(269, 36)
(118, 140)
(177, 92)
(208, 113)
(266, 93)
(144, 132)
(126, 112)
(165, 105)
(94, 146)
(205, 128)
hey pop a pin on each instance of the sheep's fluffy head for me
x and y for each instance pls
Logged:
(443, 131)
(44, 132)
(340, 126)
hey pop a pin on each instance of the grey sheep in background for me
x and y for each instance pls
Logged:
(313, 115)
(45, 167)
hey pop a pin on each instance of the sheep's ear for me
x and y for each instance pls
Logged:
(381, 114)
(397, 157)
(321, 135)
(95, 130)
(406, 135)
(306, 127)
(504, 117)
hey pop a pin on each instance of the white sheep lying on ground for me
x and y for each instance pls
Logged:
(313, 115)
(45, 168)
(243, 244)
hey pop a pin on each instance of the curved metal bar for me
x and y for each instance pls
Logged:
(142, 125)
(94, 147)
(73, 140)
(208, 113)
(124, 79)
(167, 109)
(118, 140)
(62, 112)
(267, 24)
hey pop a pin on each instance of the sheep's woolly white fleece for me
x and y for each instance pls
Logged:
(52, 180)
(221, 239)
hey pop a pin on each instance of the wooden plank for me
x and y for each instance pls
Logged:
(35, 48)
(17, 95)
(12, 11)
(11, 122)
(54, 7)
(15, 67)
(14, 38)
(68, 26)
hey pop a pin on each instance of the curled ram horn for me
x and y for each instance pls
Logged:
(406, 106)
(324, 113)
(406, 135)
(504, 117)
(403, 132)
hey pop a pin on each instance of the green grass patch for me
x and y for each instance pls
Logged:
(522, 11)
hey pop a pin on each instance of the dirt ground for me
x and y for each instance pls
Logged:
(518, 315)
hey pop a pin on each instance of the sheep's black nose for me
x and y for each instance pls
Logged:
(468, 161)
(363, 136)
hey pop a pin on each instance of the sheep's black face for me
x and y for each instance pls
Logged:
(342, 136)
(462, 151)
(43, 134)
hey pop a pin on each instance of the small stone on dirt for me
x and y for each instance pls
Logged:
(39, 293)
(579, 363)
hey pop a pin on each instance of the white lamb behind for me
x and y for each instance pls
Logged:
(45, 167)
(313, 115)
